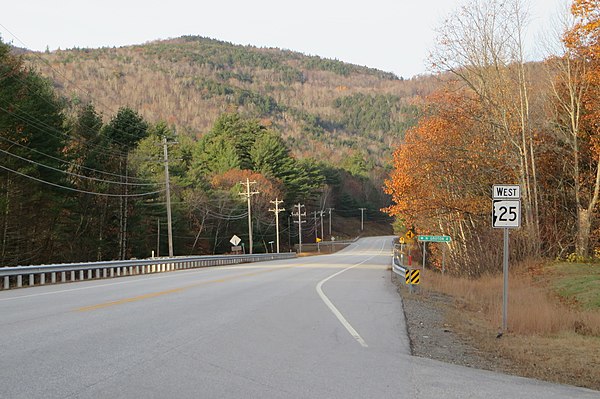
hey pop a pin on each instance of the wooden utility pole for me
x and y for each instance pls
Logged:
(330, 209)
(249, 194)
(300, 214)
(362, 211)
(322, 212)
(277, 210)
(168, 195)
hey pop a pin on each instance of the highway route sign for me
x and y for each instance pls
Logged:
(506, 213)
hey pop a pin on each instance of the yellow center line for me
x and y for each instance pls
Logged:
(172, 291)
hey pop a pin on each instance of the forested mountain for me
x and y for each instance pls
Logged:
(85, 133)
(320, 106)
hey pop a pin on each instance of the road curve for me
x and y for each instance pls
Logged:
(326, 326)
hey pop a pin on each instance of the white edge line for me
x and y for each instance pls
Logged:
(335, 310)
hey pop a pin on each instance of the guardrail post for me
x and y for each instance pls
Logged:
(19, 281)
(63, 277)
(81, 275)
(118, 271)
(72, 275)
(112, 272)
(6, 282)
(42, 278)
(53, 277)
(89, 274)
(31, 280)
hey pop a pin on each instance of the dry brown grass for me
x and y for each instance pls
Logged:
(532, 310)
(546, 339)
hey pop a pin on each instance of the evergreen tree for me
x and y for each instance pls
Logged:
(31, 143)
(124, 132)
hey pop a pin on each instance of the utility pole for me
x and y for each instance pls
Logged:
(362, 211)
(322, 212)
(168, 194)
(158, 239)
(277, 210)
(330, 209)
(300, 214)
(316, 230)
(289, 233)
(249, 194)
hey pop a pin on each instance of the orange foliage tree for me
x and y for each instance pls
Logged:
(442, 175)
(579, 97)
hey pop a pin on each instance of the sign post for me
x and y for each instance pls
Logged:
(426, 239)
(506, 214)
(235, 240)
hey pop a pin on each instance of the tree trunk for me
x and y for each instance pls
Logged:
(583, 232)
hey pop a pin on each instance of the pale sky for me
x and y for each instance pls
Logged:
(391, 35)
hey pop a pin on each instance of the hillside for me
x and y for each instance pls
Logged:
(322, 107)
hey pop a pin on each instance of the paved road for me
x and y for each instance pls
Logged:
(317, 327)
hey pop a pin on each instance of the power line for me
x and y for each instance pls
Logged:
(60, 74)
(42, 125)
(67, 162)
(78, 190)
(74, 174)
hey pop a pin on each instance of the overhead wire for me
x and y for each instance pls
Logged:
(49, 129)
(112, 111)
(69, 163)
(75, 174)
(76, 189)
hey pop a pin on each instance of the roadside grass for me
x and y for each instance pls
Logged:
(553, 319)
(576, 282)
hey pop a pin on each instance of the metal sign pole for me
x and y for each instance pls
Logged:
(443, 259)
(505, 290)
(506, 214)
(424, 254)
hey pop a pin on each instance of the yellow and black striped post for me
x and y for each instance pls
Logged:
(413, 277)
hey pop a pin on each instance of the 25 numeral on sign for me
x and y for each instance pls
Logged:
(506, 214)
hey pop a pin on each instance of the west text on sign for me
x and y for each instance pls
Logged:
(506, 191)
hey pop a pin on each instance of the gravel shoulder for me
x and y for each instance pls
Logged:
(433, 335)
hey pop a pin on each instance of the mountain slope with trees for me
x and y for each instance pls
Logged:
(98, 173)
(320, 106)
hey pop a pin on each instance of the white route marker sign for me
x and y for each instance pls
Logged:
(506, 210)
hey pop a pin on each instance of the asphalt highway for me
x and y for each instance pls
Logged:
(328, 326)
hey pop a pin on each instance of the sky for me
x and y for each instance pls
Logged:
(391, 35)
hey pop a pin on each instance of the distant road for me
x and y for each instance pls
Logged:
(327, 326)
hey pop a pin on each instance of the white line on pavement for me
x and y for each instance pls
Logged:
(335, 310)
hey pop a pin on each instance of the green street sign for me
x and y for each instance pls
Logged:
(434, 238)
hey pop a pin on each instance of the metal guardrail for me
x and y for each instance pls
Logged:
(12, 277)
(398, 268)
(397, 265)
